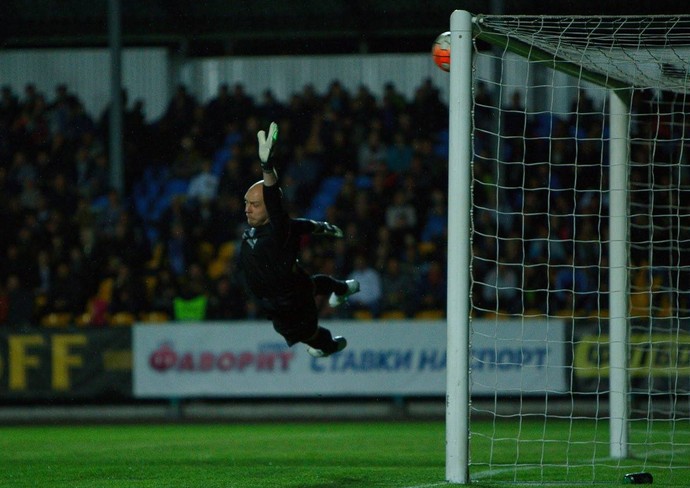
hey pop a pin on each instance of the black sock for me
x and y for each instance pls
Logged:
(323, 340)
(325, 285)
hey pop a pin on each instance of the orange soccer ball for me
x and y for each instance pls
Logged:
(440, 51)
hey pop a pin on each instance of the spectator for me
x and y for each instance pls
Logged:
(65, 294)
(108, 213)
(20, 303)
(432, 287)
(571, 289)
(99, 179)
(203, 187)
(369, 296)
(21, 170)
(126, 242)
(242, 105)
(534, 289)
(234, 179)
(228, 208)
(164, 292)
(129, 294)
(219, 112)
(180, 251)
(270, 108)
(61, 195)
(227, 301)
(399, 154)
(14, 263)
(342, 153)
(304, 173)
(396, 292)
(401, 215)
(366, 218)
(31, 197)
(179, 114)
(188, 160)
(94, 256)
(44, 271)
(83, 169)
(372, 154)
(435, 226)
(194, 282)
(9, 105)
(500, 289)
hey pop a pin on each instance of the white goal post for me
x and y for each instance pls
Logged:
(593, 154)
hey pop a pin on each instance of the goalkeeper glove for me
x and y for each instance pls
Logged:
(326, 229)
(266, 146)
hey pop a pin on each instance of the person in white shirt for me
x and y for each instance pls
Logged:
(370, 288)
(204, 186)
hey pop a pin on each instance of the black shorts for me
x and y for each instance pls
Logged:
(296, 319)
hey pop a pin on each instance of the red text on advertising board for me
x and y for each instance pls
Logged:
(166, 358)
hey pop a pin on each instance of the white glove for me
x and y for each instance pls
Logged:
(266, 145)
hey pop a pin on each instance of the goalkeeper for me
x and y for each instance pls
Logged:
(269, 261)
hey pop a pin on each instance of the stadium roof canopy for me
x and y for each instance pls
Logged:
(220, 27)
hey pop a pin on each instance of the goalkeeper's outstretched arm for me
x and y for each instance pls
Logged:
(266, 143)
(308, 226)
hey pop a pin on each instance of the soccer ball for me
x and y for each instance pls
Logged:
(440, 51)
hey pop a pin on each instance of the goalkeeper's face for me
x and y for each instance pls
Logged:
(254, 206)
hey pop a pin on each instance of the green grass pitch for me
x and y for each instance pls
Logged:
(304, 455)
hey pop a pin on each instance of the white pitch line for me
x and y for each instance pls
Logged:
(667, 452)
(429, 485)
(493, 472)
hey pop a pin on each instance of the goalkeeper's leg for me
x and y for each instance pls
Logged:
(323, 344)
(338, 290)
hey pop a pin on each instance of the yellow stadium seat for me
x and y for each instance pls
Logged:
(205, 252)
(122, 319)
(150, 281)
(56, 319)
(83, 319)
(426, 248)
(158, 317)
(41, 301)
(393, 315)
(156, 257)
(105, 290)
(533, 312)
(226, 250)
(431, 314)
(363, 315)
(217, 268)
(666, 309)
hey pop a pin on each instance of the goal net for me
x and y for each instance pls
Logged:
(569, 178)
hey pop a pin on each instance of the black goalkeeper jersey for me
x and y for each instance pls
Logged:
(269, 256)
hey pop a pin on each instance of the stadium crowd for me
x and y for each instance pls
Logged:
(74, 250)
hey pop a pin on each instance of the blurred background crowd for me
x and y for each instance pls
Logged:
(74, 250)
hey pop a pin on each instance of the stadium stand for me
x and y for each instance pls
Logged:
(56, 206)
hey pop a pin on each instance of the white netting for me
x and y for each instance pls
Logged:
(540, 195)
(639, 51)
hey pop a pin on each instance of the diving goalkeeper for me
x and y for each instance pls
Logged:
(269, 261)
